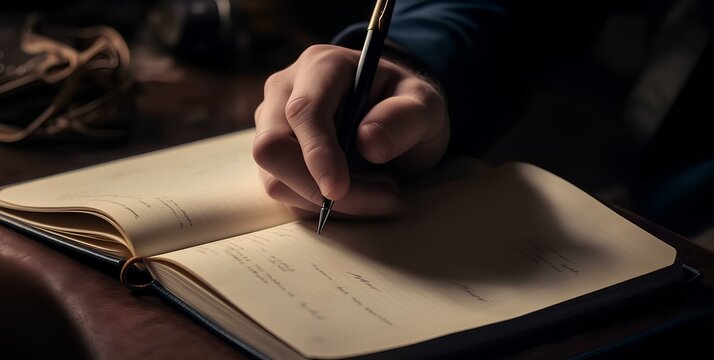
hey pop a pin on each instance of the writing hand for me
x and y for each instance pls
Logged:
(296, 143)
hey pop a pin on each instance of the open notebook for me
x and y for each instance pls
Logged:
(477, 254)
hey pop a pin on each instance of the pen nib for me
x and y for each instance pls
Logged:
(324, 213)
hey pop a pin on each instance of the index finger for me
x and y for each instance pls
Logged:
(319, 87)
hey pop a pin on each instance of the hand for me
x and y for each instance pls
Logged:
(296, 144)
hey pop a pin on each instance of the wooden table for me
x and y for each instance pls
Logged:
(54, 305)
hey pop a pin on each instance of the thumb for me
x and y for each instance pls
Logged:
(401, 126)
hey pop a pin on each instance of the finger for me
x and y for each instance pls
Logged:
(275, 149)
(287, 165)
(270, 114)
(411, 122)
(317, 92)
(366, 197)
(277, 190)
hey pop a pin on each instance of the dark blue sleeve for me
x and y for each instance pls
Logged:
(461, 42)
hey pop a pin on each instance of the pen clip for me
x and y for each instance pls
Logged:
(382, 19)
(381, 16)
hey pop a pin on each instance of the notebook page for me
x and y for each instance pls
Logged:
(164, 200)
(492, 247)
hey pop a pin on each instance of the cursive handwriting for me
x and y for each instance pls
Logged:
(312, 311)
(465, 288)
(364, 281)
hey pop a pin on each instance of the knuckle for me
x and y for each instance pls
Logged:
(331, 58)
(273, 187)
(298, 110)
(313, 145)
(273, 82)
(425, 93)
(258, 110)
(317, 51)
(418, 104)
(314, 50)
(427, 99)
(266, 146)
(434, 98)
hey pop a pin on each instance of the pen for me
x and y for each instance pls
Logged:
(356, 102)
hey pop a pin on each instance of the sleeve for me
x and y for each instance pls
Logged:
(461, 43)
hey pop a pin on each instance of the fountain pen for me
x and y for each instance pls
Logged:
(355, 105)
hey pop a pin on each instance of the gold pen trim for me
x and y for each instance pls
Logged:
(377, 19)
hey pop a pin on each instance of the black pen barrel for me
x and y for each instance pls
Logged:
(356, 103)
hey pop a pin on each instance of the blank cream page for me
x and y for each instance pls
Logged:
(497, 245)
(165, 200)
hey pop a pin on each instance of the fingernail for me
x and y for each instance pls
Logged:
(379, 139)
(326, 182)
